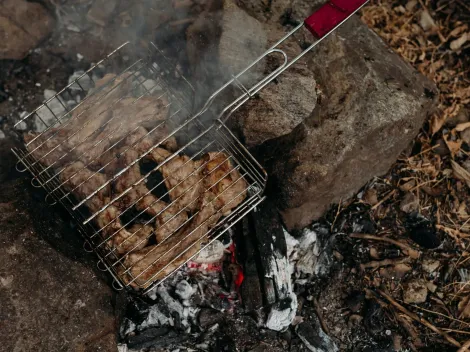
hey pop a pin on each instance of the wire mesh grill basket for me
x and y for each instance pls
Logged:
(150, 181)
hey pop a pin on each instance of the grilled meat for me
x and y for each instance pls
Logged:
(127, 115)
(182, 178)
(158, 261)
(169, 219)
(88, 117)
(82, 182)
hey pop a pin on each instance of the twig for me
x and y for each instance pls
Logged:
(442, 315)
(413, 253)
(391, 194)
(320, 316)
(336, 215)
(465, 347)
(385, 262)
(414, 316)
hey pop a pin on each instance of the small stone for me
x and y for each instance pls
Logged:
(430, 265)
(38, 84)
(440, 148)
(415, 292)
(426, 21)
(409, 203)
(83, 83)
(431, 287)
(2, 134)
(79, 57)
(370, 196)
(22, 126)
(410, 5)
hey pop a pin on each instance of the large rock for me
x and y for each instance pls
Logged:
(51, 298)
(23, 25)
(372, 106)
(243, 39)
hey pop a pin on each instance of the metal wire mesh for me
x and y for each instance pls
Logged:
(99, 135)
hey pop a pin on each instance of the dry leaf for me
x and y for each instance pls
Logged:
(462, 126)
(437, 121)
(457, 43)
(460, 173)
(408, 186)
(455, 32)
(426, 21)
(370, 196)
(454, 146)
(464, 308)
(433, 192)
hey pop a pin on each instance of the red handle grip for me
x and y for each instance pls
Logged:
(330, 15)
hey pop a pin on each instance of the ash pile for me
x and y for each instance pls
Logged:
(237, 293)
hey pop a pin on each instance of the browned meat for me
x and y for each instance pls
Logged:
(88, 117)
(127, 115)
(156, 262)
(81, 182)
(133, 239)
(121, 239)
(168, 221)
(225, 181)
(50, 148)
(182, 178)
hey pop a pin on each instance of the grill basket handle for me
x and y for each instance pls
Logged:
(330, 15)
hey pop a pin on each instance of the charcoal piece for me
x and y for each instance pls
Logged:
(137, 310)
(250, 290)
(272, 248)
(422, 231)
(224, 343)
(156, 337)
(314, 338)
(208, 317)
(374, 317)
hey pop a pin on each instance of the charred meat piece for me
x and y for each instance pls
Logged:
(140, 141)
(169, 219)
(156, 262)
(182, 178)
(121, 239)
(225, 181)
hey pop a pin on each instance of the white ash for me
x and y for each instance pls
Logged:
(155, 318)
(211, 254)
(310, 254)
(172, 304)
(184, 290)
(282, 313)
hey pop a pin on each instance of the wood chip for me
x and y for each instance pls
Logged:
(460, 173)
(456, 44)
(462, 126)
